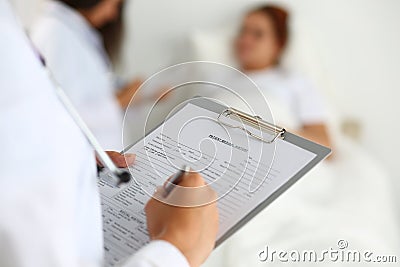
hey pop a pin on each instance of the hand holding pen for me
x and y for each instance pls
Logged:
(178, 224)
(175, 180)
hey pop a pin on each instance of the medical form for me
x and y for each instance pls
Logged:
(242, 170)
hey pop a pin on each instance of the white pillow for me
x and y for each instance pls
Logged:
(214, 45)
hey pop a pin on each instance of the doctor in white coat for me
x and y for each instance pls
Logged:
(77, 38)
(49, 204)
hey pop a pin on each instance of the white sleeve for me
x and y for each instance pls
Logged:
(156, 254)
(309, 105)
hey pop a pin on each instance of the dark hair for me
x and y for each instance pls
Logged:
(81, 4)
(112, 33)
(279, 17)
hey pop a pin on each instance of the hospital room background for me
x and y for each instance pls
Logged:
(349, 50)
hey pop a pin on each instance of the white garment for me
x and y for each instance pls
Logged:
(49, 203)
(74, 52)
(293, 100)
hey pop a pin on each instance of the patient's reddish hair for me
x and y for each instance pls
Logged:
(279, 17)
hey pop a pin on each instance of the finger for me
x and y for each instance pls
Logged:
(129, 159)
(192, 191)
(191, 196)
(187, 179)
(192, 179)
(159, 193)
(122, 161)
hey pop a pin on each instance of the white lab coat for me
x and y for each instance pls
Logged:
(50, 212)
(75, 54)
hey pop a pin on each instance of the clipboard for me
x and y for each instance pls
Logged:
(275, 133)
(278, 132)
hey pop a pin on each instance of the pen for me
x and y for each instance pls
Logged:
(175, 180)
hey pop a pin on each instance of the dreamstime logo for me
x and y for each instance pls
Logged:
(339, 254)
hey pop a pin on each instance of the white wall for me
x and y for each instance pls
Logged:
(355, 45)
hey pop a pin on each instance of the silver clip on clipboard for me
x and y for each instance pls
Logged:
(255, 121)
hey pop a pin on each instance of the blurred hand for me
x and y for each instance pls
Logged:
(125, 95)
(161, 94)
(103, 13)
(121, 161)
(192, 230)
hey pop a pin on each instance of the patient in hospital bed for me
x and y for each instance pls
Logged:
(347, 198)
(259, 46)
